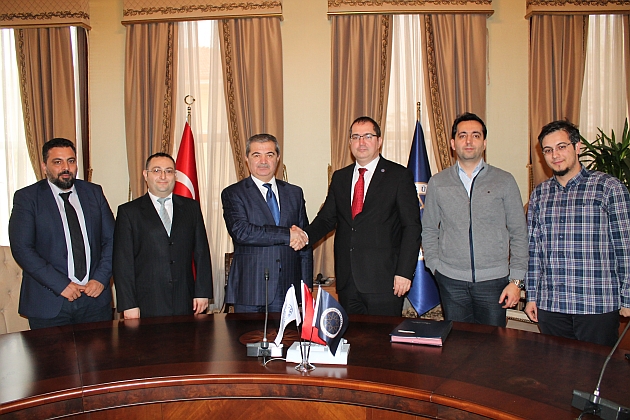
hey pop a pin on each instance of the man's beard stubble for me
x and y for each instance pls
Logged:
(64, 185)
(562, 172)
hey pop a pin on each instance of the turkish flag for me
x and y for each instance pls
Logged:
(309, 332)
(186, 167)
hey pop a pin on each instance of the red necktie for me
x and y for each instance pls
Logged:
(357, 199)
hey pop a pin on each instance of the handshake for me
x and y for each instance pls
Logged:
(299, 239)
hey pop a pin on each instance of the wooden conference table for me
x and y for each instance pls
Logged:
(187, 367)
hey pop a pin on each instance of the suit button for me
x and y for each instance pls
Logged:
(351, 249)
(172, 262)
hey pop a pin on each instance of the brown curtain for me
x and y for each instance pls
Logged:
(149, 91)
(626, 43)
(361, 57)
(557, 61)
(84, 109)
(455, 76)
(251, 50)
(47, 85)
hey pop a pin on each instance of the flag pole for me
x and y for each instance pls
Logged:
(188, 100)
(418, 111)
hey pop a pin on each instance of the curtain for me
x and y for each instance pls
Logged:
(361, 58)
(557, 57)
(18, 171)
(252, 66)
(604, 102)
(406, 88)
(150, 72)
(47, 84)
(201, 76)
(83, 103)
(455, 76)
(626, 54)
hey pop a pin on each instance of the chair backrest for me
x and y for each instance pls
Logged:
(10, 282)
(228, 263)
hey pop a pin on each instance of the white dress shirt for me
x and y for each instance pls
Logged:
(367, 177)
(74, 200)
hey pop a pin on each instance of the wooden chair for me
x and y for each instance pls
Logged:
(227, 308)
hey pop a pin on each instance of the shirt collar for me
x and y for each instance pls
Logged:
(475, 171)
(371, 167)
(154, 198)
(260, 183)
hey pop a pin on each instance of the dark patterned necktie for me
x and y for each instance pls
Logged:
(76, 237)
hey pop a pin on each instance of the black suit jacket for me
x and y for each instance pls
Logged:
(259, 244)
(39, 247)
(153, 271)
(384, 239)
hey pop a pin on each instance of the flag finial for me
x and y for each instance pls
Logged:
(188, 100)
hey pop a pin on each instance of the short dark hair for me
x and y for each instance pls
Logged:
(365, 120)
(564, 125)
(56, 142)
(261, 138)
(157, 155)
(468, 116)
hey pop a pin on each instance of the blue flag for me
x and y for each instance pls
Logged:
(331, 320)
(423, 294)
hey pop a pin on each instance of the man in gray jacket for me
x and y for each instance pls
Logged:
(474, 231)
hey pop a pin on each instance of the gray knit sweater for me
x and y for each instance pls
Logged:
(493, 218)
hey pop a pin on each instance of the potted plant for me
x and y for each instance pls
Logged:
(606, 154)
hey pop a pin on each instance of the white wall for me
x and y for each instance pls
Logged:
(306, 61)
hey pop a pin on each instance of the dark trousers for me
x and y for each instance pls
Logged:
(78, 311)
(355, 302)
(594, 328)
(275, 303)
(477, 303)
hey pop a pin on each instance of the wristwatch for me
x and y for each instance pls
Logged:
(519, 283)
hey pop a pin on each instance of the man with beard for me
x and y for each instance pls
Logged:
(578, 280)
(61, 234)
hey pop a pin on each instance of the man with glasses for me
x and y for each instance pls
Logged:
(578, 280)
(157, 239)
(373, 205)
(475, 235)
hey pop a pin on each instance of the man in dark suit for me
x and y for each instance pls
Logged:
(259, 212)
(61, 234)
(157, 238)
(373, 205)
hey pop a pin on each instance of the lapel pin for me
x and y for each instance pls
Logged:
(382, 170)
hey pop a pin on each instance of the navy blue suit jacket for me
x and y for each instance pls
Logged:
(380, 242)
(38, 245)
(153, 271)
(259, 244)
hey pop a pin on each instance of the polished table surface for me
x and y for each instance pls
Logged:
(481, 370)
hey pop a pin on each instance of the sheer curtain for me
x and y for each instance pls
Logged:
(201, 76)
(604, 102)
(18, 171)
(406, 88)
